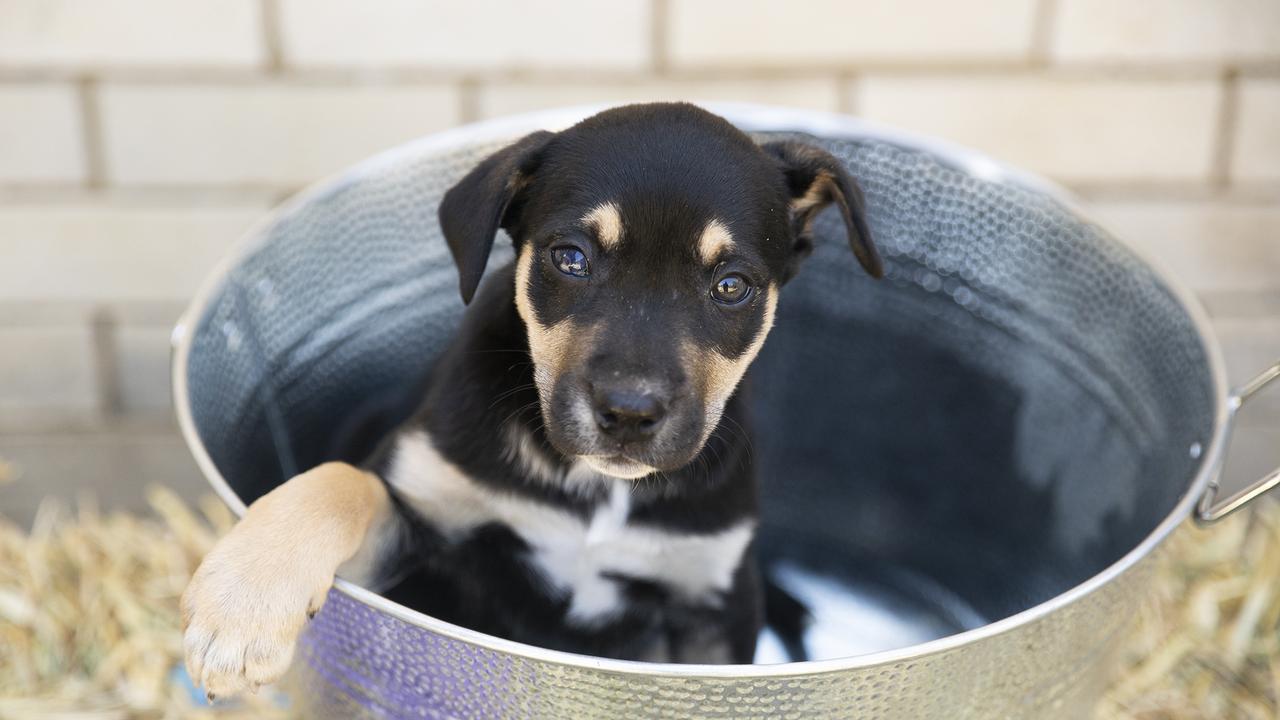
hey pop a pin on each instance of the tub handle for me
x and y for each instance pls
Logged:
(1211, 509)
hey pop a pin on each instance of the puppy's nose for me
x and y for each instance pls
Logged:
(629, 415)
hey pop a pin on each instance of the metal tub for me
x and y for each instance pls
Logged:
(966, 467)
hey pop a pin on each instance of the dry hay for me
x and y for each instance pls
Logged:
(1207, 644)
(89, 612)
(89, 620)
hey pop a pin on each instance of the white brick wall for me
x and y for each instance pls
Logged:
(144, 353)
(1252, 344)
(40, 134)
(1215, 246)
(260, 134)
(477, 34)
(506, 98)
(107, 33)
(767, 33)
(1252, 455)
(47, 374)
(116, 467)
(1075, 130)
(106, 252)
(1163, 31)
(1256, 155)
(139, 138)
(1248, 345)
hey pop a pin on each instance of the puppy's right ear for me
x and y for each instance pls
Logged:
(483, 201)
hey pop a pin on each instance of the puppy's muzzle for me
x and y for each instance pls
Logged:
(629, 414)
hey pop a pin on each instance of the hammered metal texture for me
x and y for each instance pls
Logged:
(359, 663)
(1087, 371)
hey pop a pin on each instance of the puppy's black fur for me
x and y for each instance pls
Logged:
(668, 170)
(484, 379)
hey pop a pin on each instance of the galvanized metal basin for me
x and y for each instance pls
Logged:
(966, 467)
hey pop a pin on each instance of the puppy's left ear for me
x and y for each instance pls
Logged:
(815, 180)
(487, 199)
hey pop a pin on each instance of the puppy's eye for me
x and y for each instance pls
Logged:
(570, 260)
(731, 289)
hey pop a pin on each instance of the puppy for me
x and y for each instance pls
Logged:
(579, 474)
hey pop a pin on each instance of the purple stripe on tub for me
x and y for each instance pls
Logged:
(393, 669)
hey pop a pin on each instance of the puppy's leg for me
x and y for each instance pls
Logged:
(247, 602)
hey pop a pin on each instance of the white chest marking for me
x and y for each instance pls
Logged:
(572, 554)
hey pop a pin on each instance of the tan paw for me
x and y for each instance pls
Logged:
(242, 613)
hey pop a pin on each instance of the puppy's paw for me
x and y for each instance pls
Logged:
(242, 613)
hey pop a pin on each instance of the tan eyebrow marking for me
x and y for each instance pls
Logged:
(607, 221)
(714, 242)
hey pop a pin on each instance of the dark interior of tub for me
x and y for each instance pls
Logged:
(1010, 411)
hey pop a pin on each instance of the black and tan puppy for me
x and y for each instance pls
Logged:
(578, 475)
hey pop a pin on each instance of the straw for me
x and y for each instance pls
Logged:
(89, 626)
(1206, 645)
(89, 619)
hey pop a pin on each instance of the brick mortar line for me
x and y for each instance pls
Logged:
(272, 38)
(624, 81)
(214, 190)
(1225, 136)
(847, 89)
(1186, 198)
(94, 149)
(236, 194)
(408, 76)
(1253, 193)
(103, 328)
(659, 45)
(63, 312)
(130, 196)
(144, 427)
(1241, 305)
(400, 75)
(1043, 23)
(124, 73)
(249, 197)
(213, 194)
(468, 100)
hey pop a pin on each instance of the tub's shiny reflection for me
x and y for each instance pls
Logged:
(999, 421)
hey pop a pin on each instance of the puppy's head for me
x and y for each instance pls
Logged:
(651, 244)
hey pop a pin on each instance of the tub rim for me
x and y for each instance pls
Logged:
(752, 118)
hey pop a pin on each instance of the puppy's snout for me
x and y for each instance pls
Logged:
(629, 415)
